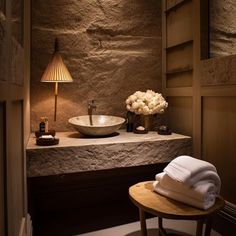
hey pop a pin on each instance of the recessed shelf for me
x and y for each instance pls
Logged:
(180, 44)
(176, 5)
(179, 70)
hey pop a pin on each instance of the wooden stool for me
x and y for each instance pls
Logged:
(143, 196)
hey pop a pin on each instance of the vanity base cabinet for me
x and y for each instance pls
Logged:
(71, 204)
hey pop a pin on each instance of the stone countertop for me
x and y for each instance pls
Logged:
(76, 153)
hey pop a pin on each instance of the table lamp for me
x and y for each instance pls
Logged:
(56, 72)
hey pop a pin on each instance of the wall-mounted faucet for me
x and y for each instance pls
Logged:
(91, 106)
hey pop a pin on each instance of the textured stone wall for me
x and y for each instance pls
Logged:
(222, 27)
(112, 48)
(11, 41)
(2, 45)
(218, 71)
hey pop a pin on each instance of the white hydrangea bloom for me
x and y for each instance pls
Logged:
(146, 103)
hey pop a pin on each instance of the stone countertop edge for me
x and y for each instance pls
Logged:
(74, 139)
(128, 150)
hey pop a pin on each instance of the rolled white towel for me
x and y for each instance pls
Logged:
(208, 176)
(203, 190)
(185, 168)
(183, 198)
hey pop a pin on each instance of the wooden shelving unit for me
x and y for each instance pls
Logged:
(178, 69)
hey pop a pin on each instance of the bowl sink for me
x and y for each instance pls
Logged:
(102, 125)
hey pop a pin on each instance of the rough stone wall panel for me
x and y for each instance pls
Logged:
(2, 46)
(216, 71)
(111, 48)
(222, 27)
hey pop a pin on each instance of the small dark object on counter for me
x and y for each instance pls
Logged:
(129, 127)
(47, 141)
(140, 130)
(164, 130)
(130, 121)
(42, 125)
(50, 132)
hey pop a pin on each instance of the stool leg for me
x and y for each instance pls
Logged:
(160, 226)
(199, 227)
(208, 227)
(143, 222)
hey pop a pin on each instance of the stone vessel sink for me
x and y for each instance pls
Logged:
(102, 125)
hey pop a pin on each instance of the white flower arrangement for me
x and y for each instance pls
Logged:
(146, 103)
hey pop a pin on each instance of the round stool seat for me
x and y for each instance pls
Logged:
(144, 197)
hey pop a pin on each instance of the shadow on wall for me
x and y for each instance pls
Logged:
(155, 232)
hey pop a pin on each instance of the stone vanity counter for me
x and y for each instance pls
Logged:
(75, 153)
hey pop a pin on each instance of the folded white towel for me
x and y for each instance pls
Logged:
(209, 176)
(183, 198)
(185, 168)
(203, 190)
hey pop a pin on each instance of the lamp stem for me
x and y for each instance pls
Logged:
(55, 109)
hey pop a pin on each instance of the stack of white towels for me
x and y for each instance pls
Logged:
(189, 180)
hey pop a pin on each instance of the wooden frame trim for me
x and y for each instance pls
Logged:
(181, 70)
(218, 91)
(5, 202)
(204, 31)
(197, 100)
(181, 91)
(163, 47)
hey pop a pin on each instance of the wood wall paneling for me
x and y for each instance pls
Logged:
(179, 114)
(2, 170)
(205, 105)
(179, 24)
(179, 59)
(16, 168)
(218, 140)
(183, 79)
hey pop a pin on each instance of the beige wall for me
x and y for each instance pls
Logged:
(111, 48)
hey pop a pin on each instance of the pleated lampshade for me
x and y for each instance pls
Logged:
(56, 71)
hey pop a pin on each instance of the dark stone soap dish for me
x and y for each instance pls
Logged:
(137, 131)
(47, 141)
